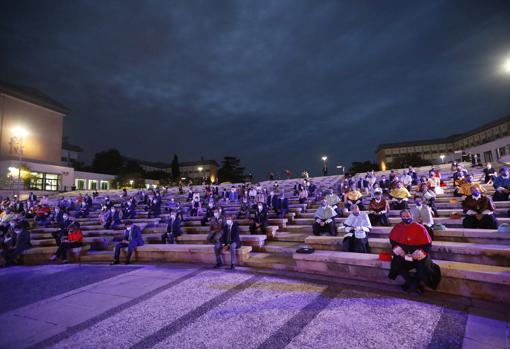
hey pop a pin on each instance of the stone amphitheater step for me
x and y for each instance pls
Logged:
(94, 256)
(291, 237)
(270, 261)
(285, 248)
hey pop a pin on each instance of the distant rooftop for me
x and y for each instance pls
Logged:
(449, 139)
(32, 95)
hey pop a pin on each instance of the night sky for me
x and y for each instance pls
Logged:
(275, 83)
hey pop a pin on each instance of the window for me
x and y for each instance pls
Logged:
(104, 185)
(80, 184)
(501, 152)
(487, 156)
(92, 185)
(51, 182)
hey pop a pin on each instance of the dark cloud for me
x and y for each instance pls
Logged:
(277, 83)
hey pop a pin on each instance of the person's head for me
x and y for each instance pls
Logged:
(489, 165)
(418, 202)
(18, 228)
(475, 191)
(378, 193)
(399, 185)
(230, 219)
(260, 206)
(216, 213)
(383, 177)
(355, 210)
(406, 216)
(469, 178)
(65, 216)
(423, 179)
(324, 203)
(503, 171)
(129, 225)
(211, 205)
(112, 210)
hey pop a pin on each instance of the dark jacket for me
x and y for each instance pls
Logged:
(231, 235)
(174, 227)
(136, 236)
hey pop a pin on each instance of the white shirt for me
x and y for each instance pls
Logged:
(362, 222)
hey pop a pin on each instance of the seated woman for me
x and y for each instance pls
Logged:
(479, 211)
(74, 239)
(324, 220)
(399, 197)
(357, 225)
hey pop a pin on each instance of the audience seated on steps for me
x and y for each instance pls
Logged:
(411, 245)
(208, 213)
(324, 219)
(489, 173)
(132, 239)
(435, 179)
(479, 211)
(357, 225)
(406, 179)
(216, 226)
(244, 209)
(281, 205)
(378, 209)
(154, 206)
(112, 218)
(73, 239)
(423, 215)
(196, 206)
(399, 197)
(260, 219)
(16, 243)
(271, 200)
(229, 240)
(333, 201)
(63, 226)
(173, 229)
(129, 211)
(502, 185)
(42, 215)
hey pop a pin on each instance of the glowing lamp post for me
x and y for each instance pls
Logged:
(506, 66)
(200, 169)
(131, 183)
(324, 165)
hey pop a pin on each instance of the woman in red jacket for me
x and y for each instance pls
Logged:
(74, 239)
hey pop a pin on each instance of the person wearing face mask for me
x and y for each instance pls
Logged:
(74, 239)
(423, 215)
(399, 197)
(333, 200)
(260, 219)
(428, 197)
(216, 226)
(479, 211)
(20, 241)
(357, 225)
(378, 209)
(244, 209)
(132, 239)
(57, 216)
(502, 185)
(129, 211)
(63, 225)
(311, 189)
(196, 206)
(411, 246)
(229, 239)
(281, 205)
(324, 220)
(173, 229)
(233, 196)
(83, 212)
(209, 212)
(112, 219)
(384, 184)
(489, 173)
(465, 187)
(155, 206)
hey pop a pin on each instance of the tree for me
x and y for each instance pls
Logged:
(176, 173)
(162, 176)
(108, 161)
(365, 166)
(230, 170)
(412, 159)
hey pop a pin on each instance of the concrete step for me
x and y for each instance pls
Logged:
(270, 261)
(291, 237)
(285, 248)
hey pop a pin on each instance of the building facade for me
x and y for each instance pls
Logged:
(484, 144)
(198, 171)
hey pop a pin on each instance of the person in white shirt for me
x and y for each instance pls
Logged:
(423, 215)
(357, 226)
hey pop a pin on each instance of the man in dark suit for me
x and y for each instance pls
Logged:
(230, 239)
(18, 242)
(281, 205)
(132, 238)
(173, 229)
(112, 219)
(260, 220)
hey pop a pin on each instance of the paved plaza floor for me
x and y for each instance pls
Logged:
(196, 306)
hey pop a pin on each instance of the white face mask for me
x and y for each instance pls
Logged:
(260, 207)
(216, 214)
(65, 217)
(229, 222)
(172, 216)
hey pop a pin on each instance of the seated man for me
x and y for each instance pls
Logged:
(423, 215)
(324, 219)
(229, 239)
(271, 200)
(479, 211)
(465, 186)
(378, 209)
(74, 239)
(233, 195)
(208, 214)
(132, 239)
(384, 184)
(112, 219)
(502, 185)
(411, 245)
(489, 173)
(260, 219)
(244, 209)
(63, 226)
(57, 216)
(353, 197)
(196, 206)
(83, 212)
(216, 226)
(18, 242)
(281, 205)
(154, 207)
(406, 180)
(311, 189)
(357, 225)
(173, 229)
(303, 195)
(42, 215)
(333, 200)
(130, 209)
(399, 197)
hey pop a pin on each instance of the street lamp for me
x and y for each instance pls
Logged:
(131, 183)
(200, 169)
(442, 158)
(506, 66)
(18, 132)
(324, 165)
